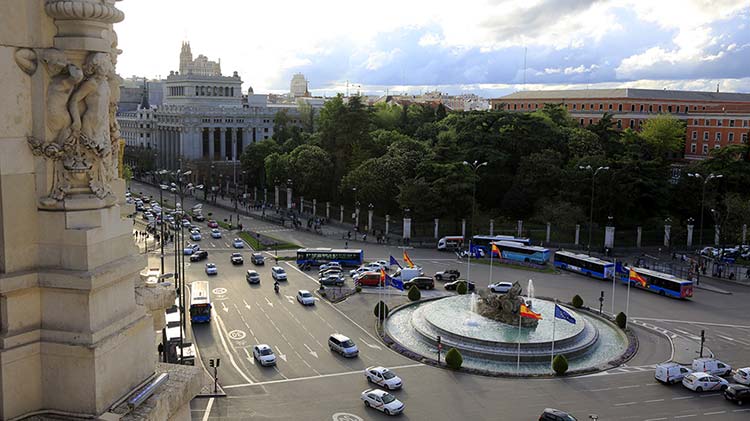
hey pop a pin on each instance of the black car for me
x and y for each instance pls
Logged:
(550, 414)
(447, 275)
(198, 217)
(257, 259)
(199, 255)
(422, 282)
(335, 280)
(451, 286)
(737, 393)
(237, 259)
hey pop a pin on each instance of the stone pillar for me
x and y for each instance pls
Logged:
(211, 143)
(223, 143)
(276, 196)
(407, 228)
(717, 234)
(356, 217)
(73, 338)
(609, 236)
(639, 236)
(370, 213)
(255, 194)
(341, 216)
(437, 224)
(519, 228)
(315, 207)
(549, 231)
(289, 198)
(690, 235)
(328, 210)
(463, 228)
(387, 224)
(578, 234)
(492, 227)
(667, 235)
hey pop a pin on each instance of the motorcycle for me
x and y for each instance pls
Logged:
(276, 288)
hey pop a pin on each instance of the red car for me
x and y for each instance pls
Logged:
(369, 279)
(213, 224)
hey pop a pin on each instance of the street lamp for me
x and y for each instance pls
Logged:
(703, 197)
(179, 245)
(162, 187)
(591, 212)
(475, 166)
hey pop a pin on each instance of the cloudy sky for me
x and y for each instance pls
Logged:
(477, 46)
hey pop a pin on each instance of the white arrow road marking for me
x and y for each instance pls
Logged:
(282, 356)
(249, 357)
(313, 353)
(224, 307)
(369, 345)
(289, 298)
(247, 306)
(269, 302)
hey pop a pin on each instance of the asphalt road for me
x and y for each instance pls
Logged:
(310, 382)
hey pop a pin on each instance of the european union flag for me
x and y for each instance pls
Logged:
(395, 282)
(560, 313)
(394, 262)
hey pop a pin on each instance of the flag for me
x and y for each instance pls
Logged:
(525, 312)
(407, 260)
(395, 282)
(634, 276)
(494, 250)
(394, 262)
(560, 313)
(382, 276)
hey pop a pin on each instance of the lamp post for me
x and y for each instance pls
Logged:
(703, 198)
(180, 256)
(591, 211)
(210, 183)
(162, 187)
(475, 166)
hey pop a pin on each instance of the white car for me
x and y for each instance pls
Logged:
(215, 233)
(211, 269)
(500, 287)
(384, 265)
(330, 265)
(354, 273)
(238, 243)
(383, 377)
(305, 298)
(382, 401)
(191, 248)
(264, 355)
(742, 376)
(195, 236)
(374, 266)
(278, 273)
(701, 382)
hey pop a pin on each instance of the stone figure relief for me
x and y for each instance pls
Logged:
(26, 60)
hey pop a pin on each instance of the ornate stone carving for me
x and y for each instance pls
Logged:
(504, 308)
(96, 10)
(26, 60)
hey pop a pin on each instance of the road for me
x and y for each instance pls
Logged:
(310, 382)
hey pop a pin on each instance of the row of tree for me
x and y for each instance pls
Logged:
(399, 157)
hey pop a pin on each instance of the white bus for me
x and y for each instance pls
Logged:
(453, 242)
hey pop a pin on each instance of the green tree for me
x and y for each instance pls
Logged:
(560, 364)
(309, 169)
(277, 168)
(665, 134)
(253, 160)
(454, 359)
(386, 116)
(307, 115)
(462, 288)
(282, 127)
(127, 173)
(381, 310)
(414, 293)
(621, 319)
(577, 301)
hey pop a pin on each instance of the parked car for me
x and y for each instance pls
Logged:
(385, 265)
(305, 297)
(238, 243)
(383, 377)
(331, 265)
(191, 248)
(551, 414)
(354, 273)
(700, 382)
(671, 373)
(500, 287)
(327, 272)
(264, 355)
(278, 273)
(213, 224)
(333, 279)
(195, 236)
(737, 393)
(374, 266)
(451, 286)
(742, 376)
(422, 282)
(199, 255)
(237, 259)
(447, 275)
(211, 269)
(342, 345)
(215, 233)
(369, 279)
(711, 366)
(252, 277)
(407, 274)
(257, 259)
(382, 401)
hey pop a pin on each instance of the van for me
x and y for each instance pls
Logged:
(450, 243)
(369, 279)
(407, 274)
(711, 366)
(343, 345)
(670, 373)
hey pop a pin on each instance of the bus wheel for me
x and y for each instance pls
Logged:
(662, 293)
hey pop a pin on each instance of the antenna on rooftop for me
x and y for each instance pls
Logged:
(524, 67)
(717, 88)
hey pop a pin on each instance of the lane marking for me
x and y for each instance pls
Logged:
(247, 306)
(224, 307)
(281, 354)
(268, 301)
(714, 413)
(686, 416)
(226, 349)
(653, 400)
(313, 353)
(370, 345)
(655, 419)
(693, 323)
(208, 409)
(682, 397)
(709, 395)
(277, 370)
(629, 387)
(249, 357)
(625, 403)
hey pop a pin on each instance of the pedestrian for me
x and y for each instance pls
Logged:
(160, 348)
(349, 235)
(747, 273)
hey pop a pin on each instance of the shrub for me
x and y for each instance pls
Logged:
(323, 294)
(462, 288)
(453, 359)
(621, 320)
(358, 288)
(577, 301)
(560, 365)
(381, 310)
(414, 294)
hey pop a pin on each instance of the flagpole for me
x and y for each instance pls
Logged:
(627, 304)
(518, 361)
(491, 255)
(554, 324)
(613, 288)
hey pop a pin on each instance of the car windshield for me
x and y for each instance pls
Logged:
(236, 255)
(347, 343)
(210, 265)
(306, 295)
(388, 398)
(266, 352)
(388, 375)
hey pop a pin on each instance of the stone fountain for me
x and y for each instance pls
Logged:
(504, 307)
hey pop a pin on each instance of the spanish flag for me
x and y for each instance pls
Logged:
(407, 260)
(634, 276)
(525, 312)
(382, 276)
(495, 250)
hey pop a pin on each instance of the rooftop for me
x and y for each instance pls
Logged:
(630, 93)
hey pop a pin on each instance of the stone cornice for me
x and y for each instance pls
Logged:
(96, 10)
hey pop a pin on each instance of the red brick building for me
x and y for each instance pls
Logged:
(713, 119)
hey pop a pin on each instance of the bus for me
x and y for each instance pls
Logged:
(319, 256)
(200, 302)
(482, 242)
(661, 283)
(519, 252)
(583, 264)
(453, 242)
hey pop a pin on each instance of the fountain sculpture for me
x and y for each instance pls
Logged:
(504, 307)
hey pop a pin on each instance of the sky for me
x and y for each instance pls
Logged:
(487, 47)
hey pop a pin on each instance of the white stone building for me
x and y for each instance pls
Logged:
(298, 86)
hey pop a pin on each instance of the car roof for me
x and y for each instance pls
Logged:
(340, 337)
(263, 346)
(277, 268)
(378, 392)
(379, 368)
(303, 291)
(252, 272)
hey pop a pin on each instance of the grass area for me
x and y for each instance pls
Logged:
(495, 263)
(257, 245)
(224, 225)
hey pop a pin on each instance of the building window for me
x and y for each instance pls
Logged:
(731, 123)
(719, 122)
(574, 106)
(744, 123)
(581, 122)
(678, 109)
(619, 124)
(515, 107)
(744, 138)
(718, 136)
(695, 135)
(696, 122)
(705, 135)
(650, 108)
(632, 107)
(641, 107)
(610, 106)
(669, 109)
(730, 137)
(705, 149)
(265, 130)
(601, 106)
(632, 124)
(693, 148)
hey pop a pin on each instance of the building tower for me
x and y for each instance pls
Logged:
(186, 58)
(298, 86)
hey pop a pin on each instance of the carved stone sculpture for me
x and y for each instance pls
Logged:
(26, 60)
(504, 307)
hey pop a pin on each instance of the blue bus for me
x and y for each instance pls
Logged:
(482, 242)
(200, 302)
(319, 256)
(663, 284)
(515, 251)
(583, 264)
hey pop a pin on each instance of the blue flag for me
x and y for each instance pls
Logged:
(560, 313)
(394, 282)
(394, 262)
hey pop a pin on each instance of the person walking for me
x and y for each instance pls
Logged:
(160, 348)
